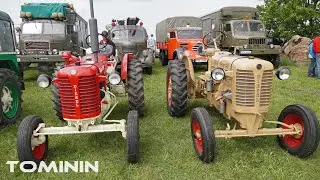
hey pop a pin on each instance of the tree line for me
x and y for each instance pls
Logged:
(286, 18)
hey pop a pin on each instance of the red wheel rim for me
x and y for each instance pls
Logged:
(293, 141)
(197, 136)
(169, 89)
(38, 151)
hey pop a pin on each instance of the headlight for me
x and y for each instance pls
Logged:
(245, 46)
(49, 52)
(271, 46)
(55, 51)
(17, 51)
(217, 74)
(44, 81)
(283, 73)
(114, 78)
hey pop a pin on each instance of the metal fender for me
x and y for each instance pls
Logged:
(189, 67)
(124, 65)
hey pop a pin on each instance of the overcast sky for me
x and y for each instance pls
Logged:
(149, 11)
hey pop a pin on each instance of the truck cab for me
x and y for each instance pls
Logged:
(47, 30)
(239, 30)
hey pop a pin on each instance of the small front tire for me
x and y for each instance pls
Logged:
(306, 143)
(133, 137)
(25, 137)
(202, 135)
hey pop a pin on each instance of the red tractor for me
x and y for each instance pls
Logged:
(82, 97)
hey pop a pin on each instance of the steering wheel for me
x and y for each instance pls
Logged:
(101, 46)
(213, 40)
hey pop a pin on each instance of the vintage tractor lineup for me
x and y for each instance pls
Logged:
(88, 73)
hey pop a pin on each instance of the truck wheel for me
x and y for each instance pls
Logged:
(56, 96)
(10, 93)
(275, 60)
(30, 147)
(177, 93)
(163, 59)
(202, 135)
(306, 143)
(135, 87)
(133, 137)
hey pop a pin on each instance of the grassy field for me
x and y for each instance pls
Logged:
(166, 147)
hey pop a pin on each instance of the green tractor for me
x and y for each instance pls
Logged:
(11, 74)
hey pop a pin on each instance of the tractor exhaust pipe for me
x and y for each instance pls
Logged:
(93, 25)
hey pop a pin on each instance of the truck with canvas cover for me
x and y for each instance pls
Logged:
(11, 75)
(47, 30)
(176, 34)
(131, 37)
(239, 30)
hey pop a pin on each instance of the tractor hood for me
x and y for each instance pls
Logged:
(232, 62)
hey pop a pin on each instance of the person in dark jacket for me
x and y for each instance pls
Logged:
(107, 40)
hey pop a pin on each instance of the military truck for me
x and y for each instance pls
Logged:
(177, 34)
(130, 37)
(11, 75)
(239, 30)
(47, 30)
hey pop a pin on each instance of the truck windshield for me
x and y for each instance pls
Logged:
(125, 34)
(248, 27)
(190, 34)
(43, 28)
(6, 37)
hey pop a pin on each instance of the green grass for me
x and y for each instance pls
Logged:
(166, 147)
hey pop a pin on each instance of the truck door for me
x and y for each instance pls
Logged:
(226, 39)
(172, 43)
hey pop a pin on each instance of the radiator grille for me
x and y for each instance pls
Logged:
(195, 47)
(245, 88)
(257, 41)
(88, 94)
(266, 85)
(36, 45)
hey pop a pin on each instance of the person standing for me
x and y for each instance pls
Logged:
(316, 50)
(312, 66)
(152, 44)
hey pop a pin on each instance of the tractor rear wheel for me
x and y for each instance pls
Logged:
(133, 137)
(203, 135)
(10, 94)
(135, 87)
(177, 92)
(30, 147)
(56, 95)
(305, 143)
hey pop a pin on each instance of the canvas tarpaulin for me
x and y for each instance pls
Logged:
(44, 10)
(174, 22)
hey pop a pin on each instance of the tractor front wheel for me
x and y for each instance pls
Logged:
(202, 135)
(133, 137)
(177, 92)
(30, 147)
(10, 94)
(135, 87)
(304, 144)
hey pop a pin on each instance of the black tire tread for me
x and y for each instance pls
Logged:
(179, 83)
(135, 87)
(56, 97)
(133, 137)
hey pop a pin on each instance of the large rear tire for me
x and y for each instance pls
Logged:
(133, 151)
(177, 92)
(135, 87)
(56, 95)
(10, 94)
(306, 143)
(202, 135)
(26, 151)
